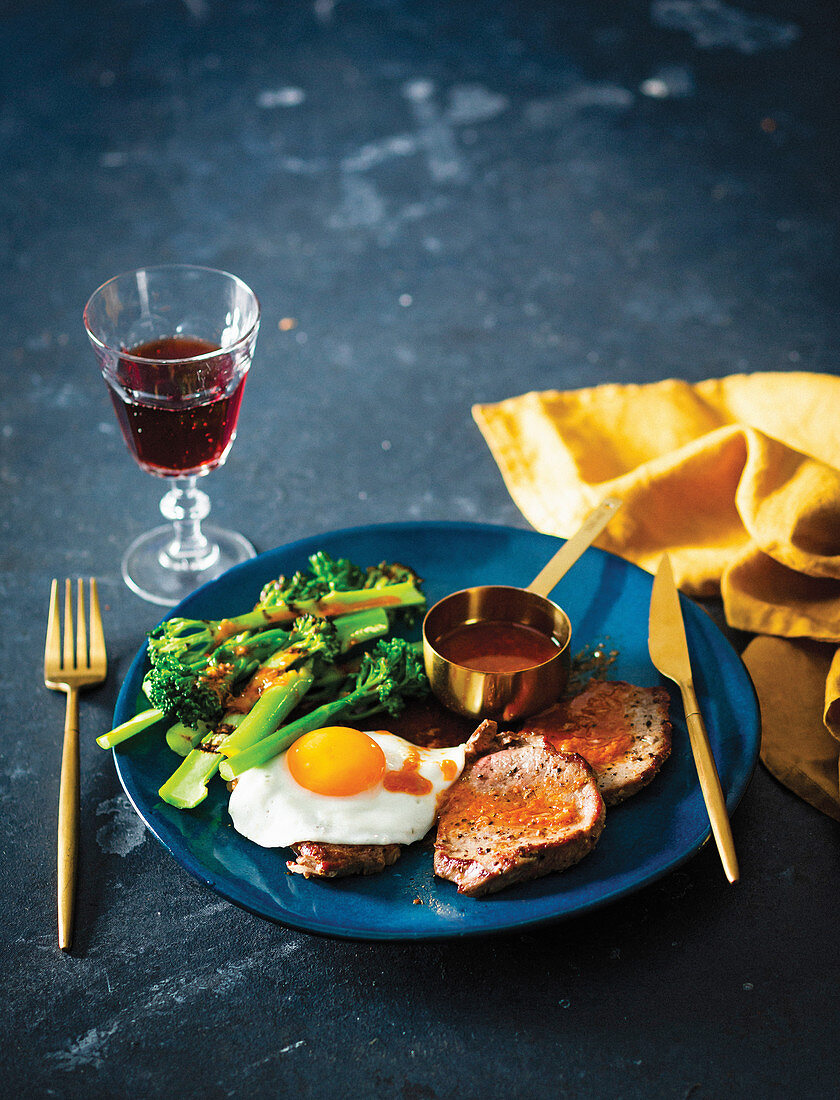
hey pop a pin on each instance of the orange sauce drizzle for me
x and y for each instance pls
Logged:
(408, 779)
(262, 679)
(225, 629)
(449, 770)
(529, 813)
(328, 607)
(596, 728)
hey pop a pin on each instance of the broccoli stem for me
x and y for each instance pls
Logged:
(357, 627)
(128, 729)
(181, 738)
(187, 786)
(272, 707)
(389, 597)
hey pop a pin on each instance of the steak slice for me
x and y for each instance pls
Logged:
(316, 860)
(520, 810)
(622, 731)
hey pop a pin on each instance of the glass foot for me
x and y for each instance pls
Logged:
(147, 566)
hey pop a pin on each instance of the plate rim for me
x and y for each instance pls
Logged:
(229, 888)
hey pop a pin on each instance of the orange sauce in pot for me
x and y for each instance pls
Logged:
(496, 646)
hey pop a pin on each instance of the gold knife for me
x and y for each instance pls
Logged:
(669, 652)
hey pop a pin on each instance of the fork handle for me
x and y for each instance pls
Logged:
(68, 821)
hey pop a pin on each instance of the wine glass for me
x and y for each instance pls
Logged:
(174, 344)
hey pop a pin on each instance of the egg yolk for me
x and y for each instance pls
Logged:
(336, 761)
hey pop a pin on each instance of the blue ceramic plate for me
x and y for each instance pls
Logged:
(607, 600)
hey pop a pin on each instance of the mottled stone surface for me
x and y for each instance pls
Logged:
(437, 203)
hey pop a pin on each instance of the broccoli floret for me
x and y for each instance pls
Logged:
(189, 699)
(339, 575)
(327, 575)
(378, 576)
(195, 689)
(187, 641)
(312, 637)
(389, 674)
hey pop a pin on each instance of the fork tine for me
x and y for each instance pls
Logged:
(81, 627)
(52, 649)
(68, 625)
(97, 635)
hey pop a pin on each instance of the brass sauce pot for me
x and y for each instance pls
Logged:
(501, 695)
(507, 696)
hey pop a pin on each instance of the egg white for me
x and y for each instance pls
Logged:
(269, 807)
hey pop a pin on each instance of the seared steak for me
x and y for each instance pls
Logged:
(335, 860)
(622, 731)
(520, 810)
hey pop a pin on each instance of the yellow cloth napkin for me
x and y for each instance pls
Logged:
(738, 478)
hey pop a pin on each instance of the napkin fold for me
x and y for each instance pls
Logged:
(738, 479)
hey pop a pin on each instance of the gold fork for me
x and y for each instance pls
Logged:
(69, 667)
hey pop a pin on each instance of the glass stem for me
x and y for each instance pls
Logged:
(185, 507)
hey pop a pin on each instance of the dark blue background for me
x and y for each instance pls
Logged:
(451, 203)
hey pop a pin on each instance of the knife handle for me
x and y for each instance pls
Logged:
(712, 792)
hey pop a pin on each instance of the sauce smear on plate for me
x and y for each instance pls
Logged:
(496, 646)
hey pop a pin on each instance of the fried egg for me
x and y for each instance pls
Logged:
(342, 786)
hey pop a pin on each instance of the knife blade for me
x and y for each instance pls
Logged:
(668, 647)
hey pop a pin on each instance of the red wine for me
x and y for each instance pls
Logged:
(167, 427)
